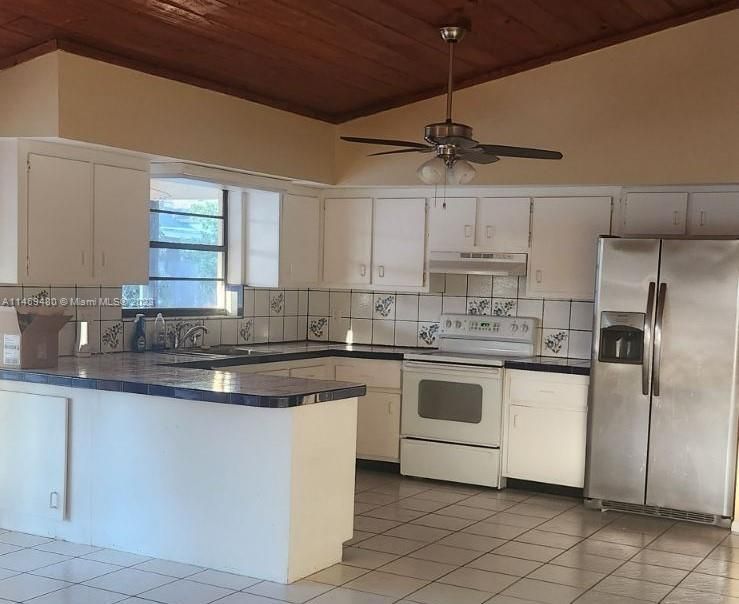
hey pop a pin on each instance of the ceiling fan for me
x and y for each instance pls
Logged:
(452, 142)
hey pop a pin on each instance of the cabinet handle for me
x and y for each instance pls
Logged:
(467, 231)
(676, 218)
(102, 259)
(82, 256)
(538, 276)
(390, 407)
(381, 271)
(703, 218)
(489, 232)
(515, 421)
(362, 270)
(54, 500)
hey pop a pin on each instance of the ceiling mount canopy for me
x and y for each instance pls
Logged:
(450, 141)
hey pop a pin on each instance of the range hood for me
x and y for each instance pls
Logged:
(477, 263)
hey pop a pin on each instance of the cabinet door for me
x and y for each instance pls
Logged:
(300, 232)
(314, 372)
(347, 241)
(546, 445)
(503, 224)
(714, 214)
(33, 465)
(399, 242)
(59, 204)
(564, 239)
(452, 224)
(121, 227)
(378, 426)
(655, 213)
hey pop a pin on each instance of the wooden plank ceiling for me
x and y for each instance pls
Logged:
(331, 59)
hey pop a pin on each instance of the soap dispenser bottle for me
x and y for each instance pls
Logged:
(160, 333)
(139, 334)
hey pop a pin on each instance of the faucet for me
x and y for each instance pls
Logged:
(190, 333)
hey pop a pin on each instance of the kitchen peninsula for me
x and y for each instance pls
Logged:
(244, 473)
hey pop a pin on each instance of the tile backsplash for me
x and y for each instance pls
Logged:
(402, 319)
(356, 316)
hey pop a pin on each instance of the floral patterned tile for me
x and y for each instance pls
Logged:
(554, 342)
(318, 328)
(276, 303)
(428, 334)
(504, 308)
(111, 336)
(384, 306)
(479, 306)
(246, 331)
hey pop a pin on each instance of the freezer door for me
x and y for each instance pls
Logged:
(618, 411)
(693, 442)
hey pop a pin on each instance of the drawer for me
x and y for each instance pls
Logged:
(541, 389)
(375, 374)
(455, 463)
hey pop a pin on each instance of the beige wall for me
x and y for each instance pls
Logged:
(29, 98)
(110, 105)
(659, 109)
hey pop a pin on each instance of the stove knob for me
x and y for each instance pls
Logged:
(514, 327)
(525, 327)
(458, 324)
(448, 324)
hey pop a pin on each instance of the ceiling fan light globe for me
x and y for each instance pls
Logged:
(432, 172)
(461, 173)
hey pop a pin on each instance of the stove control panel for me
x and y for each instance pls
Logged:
(488, 327)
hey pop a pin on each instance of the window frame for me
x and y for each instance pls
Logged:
(223, 248)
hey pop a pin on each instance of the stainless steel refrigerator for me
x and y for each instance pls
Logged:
(662, 420)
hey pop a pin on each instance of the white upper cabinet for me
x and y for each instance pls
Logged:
(399, 237)
(300, 240)
(121, 198)
(347, 241)
(273, 239)
(564, 239)
(72, 215)
(654, 213)
(60, 206)
(503, 224)
(452, 224)
(714, 214)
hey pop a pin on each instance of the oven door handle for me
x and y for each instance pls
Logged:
(432, 368)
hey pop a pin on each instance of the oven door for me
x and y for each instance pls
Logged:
(452, 403)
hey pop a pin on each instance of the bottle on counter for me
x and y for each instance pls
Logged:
(139, 334)
(160, 333)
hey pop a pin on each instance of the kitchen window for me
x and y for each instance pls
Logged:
(187, 251)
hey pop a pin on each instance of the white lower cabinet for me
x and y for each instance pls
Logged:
(378, 426)
(545, 427)
(378, 420)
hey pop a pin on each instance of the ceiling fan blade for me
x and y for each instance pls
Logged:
(426, 150)
(383, 141)
(506, 151)
(479, 158)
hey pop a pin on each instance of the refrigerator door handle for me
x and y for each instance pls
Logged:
(658, 336)
(647, 345)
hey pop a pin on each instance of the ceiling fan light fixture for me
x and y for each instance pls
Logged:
(436, 172)
(461, 173)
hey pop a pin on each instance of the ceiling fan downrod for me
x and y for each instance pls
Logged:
(451, 35)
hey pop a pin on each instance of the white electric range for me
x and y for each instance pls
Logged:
(453, 398)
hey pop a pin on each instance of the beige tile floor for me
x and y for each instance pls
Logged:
(419, 542)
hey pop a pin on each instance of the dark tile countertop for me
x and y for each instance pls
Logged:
(205, 376)
(178, 376)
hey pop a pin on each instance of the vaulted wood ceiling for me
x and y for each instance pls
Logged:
(331, 59)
